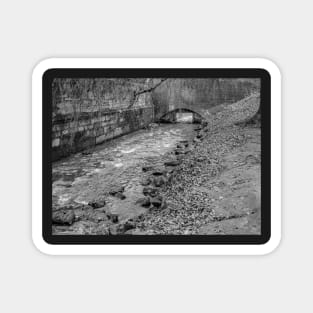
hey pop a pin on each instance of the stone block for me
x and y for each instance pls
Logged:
(100, 139)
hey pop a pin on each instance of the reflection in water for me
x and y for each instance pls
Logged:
(184, 117)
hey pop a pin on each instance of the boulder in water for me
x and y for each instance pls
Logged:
(147, 168)
(96, 204)
(179, 151)
(116, 189)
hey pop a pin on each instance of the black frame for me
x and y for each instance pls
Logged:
(265, 77)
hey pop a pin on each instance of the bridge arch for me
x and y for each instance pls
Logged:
(177, 115)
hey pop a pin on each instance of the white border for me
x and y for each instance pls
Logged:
(155, 249)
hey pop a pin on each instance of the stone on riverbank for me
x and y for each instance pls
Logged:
(112, 217)
(179, 151)
(115, 190)
(158, 172)
(158, 202)
(129, 225)
(159, 181)
(96, 204)
(63, 217)
(172, 163)
(120, 196)
(150, 191)
(146, 182)
(145, 202)
(147, 168)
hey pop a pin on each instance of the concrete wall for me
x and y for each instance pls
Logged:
(90, 111)
(200, 95)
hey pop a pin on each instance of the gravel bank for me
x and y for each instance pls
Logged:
(216, 187)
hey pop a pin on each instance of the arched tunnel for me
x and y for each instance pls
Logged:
(182, 115)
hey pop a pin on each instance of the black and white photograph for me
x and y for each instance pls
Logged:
(156, 156)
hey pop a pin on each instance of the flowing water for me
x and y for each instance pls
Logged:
(86, 177)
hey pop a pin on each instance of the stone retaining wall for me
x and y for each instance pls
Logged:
(87, 112)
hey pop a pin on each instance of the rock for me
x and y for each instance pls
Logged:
(180, 157)
(196, 139)
(172, 163)
(145, 202)
(159, 181)
(181, 146)
(179, 151)
(91, 215)
(115, 190)
(184, 142)
(147, 168)
(87, 152)
(63, 217)
(120, 195)
(201, 159)
(129, 225)
(146, 182)
(122, 228)
(170, 177)
(157, 172)
(158, 202)
(153, 125)
(113, 217)
(97, 203)
(150, 191)
(116, 229)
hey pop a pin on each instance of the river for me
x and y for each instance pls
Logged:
(82, 177)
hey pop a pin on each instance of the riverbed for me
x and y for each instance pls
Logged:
(88, 176)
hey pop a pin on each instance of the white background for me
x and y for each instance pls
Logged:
(34, 30)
